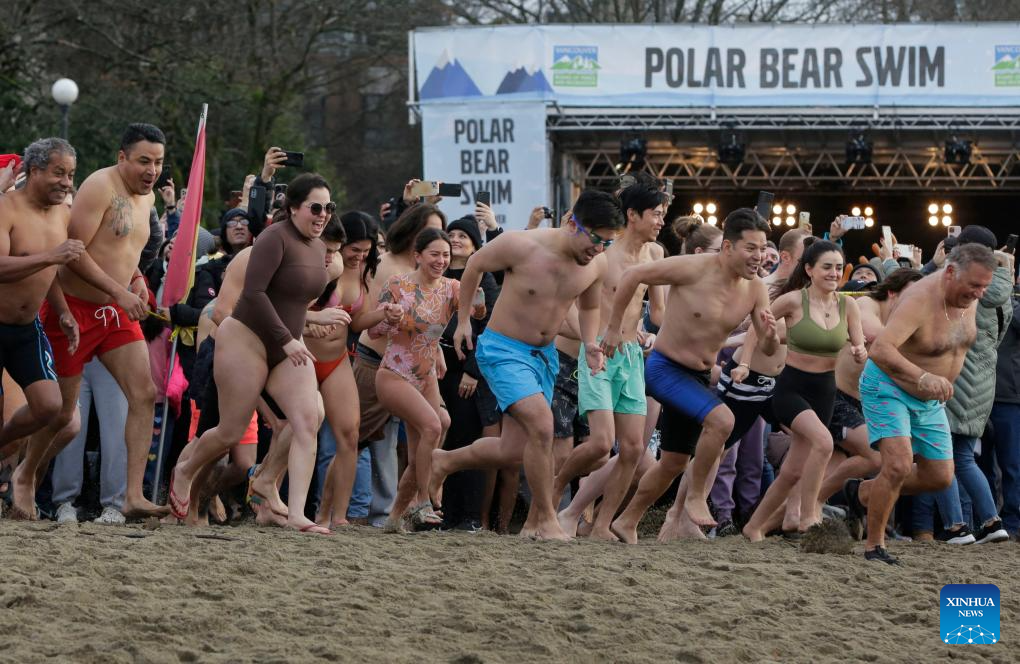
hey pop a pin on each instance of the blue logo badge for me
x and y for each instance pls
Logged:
(969, 613)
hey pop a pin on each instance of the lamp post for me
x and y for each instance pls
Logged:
(65, 93)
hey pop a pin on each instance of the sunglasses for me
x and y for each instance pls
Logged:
(317, 208)
(237, 222)
(594, 237)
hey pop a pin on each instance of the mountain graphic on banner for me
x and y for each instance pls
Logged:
(1007, 63)
(448, 79)
(520, 80)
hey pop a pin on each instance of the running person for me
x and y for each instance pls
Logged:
(286, 271)
(614, 400)
(33, 244)
(709, 295)
(904, 386)
(819, 322)
(516, 354)
(107, 295)
(406, 383)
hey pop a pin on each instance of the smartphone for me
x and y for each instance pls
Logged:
(294, 159)
(424, 188)
(163, 178)
(669, 189)
(804, 220)
(887, 236)
(853, 223)
(1011, 244)
(954, 231)
(6, 159)
(764, 206)
(547, 213)
(483, 197)
(906, 250)
(279, 189)
(450, 189)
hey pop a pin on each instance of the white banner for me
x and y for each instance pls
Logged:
(495, 147)
(719, 66)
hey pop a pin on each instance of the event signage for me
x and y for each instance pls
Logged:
(499, 148)
(720, 66)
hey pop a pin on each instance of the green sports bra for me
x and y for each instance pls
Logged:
(810, 338)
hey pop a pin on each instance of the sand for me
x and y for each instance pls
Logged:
(95, 593)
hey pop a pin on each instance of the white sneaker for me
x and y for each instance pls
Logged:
(110, 516)
(66, 513)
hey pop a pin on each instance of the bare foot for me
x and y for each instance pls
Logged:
(22, 496)
(568, 523)
(266, 516)
(752, 534)
(262, 490)
(333, 525)
(307, 527)
(627, 532)
(439, 473)
(604, 535)
(549, 530)
(584, 528)
(680, 528)
(140, 508)
(698, 511)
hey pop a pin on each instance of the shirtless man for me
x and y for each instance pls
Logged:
(546, 271)
(709, 295)
(908, 378)
(33, 243)
(614, 399)
(107, 296)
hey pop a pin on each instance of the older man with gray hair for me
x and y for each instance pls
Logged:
(33, 244)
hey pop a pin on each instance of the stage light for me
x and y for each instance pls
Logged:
(777, 221)
(947, 220)
(698, 208)
(711, 208)
(633, 152)
(868, 212)
(947, 208)
(855, 211)
(933, 208)
(731, 152)
(777, 209)
(858, 149)
(869, 222)
(957, 151)
(712, 220)
(790, 221)
(791, 208)
(933, 220)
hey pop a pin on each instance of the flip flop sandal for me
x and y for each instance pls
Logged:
(178, 507)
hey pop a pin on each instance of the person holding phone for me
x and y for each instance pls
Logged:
(287, 269)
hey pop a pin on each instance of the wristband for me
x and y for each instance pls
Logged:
(919, 380)
(745, 365)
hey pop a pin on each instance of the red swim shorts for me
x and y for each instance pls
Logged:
(101, 328)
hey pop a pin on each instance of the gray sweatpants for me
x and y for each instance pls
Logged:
(97, 386)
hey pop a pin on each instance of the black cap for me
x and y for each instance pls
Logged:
(468, 225)
(975, 234)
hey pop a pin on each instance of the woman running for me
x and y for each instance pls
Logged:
(406, 383)
(819, 320)
(287, 270)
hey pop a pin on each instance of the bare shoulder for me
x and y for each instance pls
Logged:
(98, 183)
(655, 251)
(238, 263)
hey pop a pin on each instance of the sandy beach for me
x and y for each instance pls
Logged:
(91, 593)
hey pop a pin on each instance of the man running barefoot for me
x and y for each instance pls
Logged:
(33, 243)
(107, 295)
(546, 270)
(614, 399)
(908, 378)
(709, 295)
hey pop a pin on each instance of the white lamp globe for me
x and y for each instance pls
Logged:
(65, 91)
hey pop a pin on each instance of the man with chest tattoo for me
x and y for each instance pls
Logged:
(33, 244)
(906, 382)
(614, 399)
(107, 295)
(709, 295)
(546, 271)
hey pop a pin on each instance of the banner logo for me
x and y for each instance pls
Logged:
(576, 66)
(1007, 66)
(969, 613)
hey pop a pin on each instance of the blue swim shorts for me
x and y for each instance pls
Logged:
(891, 412)
(514, 369)
(686, 401)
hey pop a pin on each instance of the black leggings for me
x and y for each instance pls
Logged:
(797, 391)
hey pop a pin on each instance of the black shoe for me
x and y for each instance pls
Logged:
(851, 492)
(469, 526)
(961, 535)
(993, 532)
(726, 529)
(880, 554)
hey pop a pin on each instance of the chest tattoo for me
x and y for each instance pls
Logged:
(120, 217)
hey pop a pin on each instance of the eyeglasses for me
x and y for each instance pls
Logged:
(317, 208)
(243, 223)
(594, 237)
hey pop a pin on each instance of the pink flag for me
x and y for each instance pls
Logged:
(180, 273)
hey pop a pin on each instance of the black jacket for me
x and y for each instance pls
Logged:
(1007, 368)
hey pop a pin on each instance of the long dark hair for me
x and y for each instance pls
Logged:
(895, 282)
(401, 235)
(428, 236)
(297, 193)
(333, 232)
(361, 226)
(813, 250)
